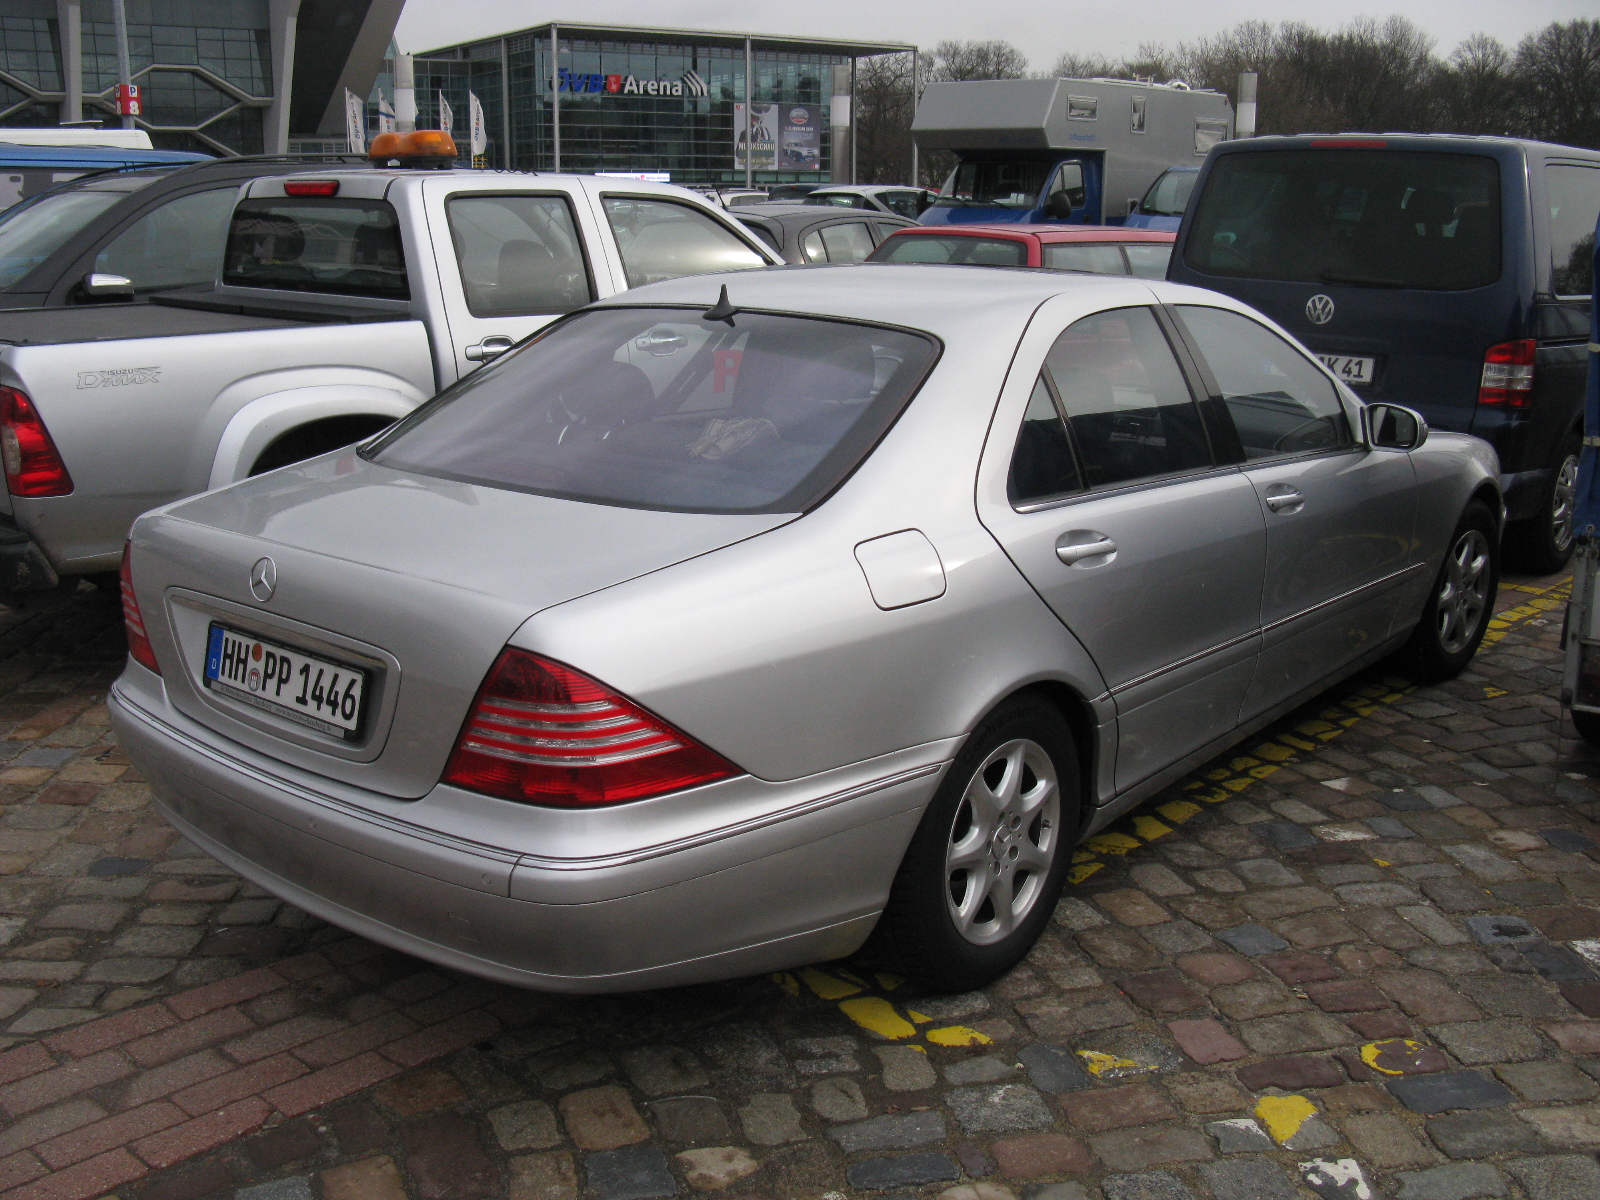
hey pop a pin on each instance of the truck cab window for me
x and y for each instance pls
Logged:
(1066, 192)
(1002, 183)
(176, 245)
(518, 255)
(344, 247)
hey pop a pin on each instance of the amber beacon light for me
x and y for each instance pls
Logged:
(420, 148)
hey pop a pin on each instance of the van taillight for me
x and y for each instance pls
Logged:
(542, 733)
(33, 465)
(133, 621)
(1508, 374)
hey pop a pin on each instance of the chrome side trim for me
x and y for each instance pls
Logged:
(1389, 578)
(1184, 662)
(510, 857)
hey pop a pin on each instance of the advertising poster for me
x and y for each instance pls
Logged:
(800, 137)
(756, 145)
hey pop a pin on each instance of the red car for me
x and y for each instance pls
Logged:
(1101, 249)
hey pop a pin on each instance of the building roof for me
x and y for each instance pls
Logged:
(700, 37)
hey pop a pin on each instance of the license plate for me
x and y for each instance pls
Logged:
(1357, 372)
(306, 688)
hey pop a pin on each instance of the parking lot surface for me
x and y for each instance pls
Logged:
(1358, 957)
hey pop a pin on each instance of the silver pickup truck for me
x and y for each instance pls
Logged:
(345, 300)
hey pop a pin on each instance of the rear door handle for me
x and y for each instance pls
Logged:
(1077, 546)
(491, 347)
(1281, 498)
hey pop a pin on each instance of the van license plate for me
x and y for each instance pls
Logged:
(326, 695)
(1357, 372)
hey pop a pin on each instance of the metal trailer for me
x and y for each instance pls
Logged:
(1110, 137)
(1580, 684)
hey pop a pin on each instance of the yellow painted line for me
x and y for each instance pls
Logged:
(826, 986)
(1373, 1051)
(1148, 829)
(1178, 811)
(1284, 1115)
(1112, 843)
(787, 982)
(877, 1015)
(958, 1035)
(888, 982)
(1097, 1062)
(918, 1018)
(1081, 872)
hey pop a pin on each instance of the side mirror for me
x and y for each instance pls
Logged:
(1393, 427)
(1059, 206)
(107, 287)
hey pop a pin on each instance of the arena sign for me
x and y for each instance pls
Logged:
(596, 83)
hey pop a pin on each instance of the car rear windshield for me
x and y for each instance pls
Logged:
(1372, 218)
(345, 247)
(35, 230)
(660, 408)
(1005, 184)
(933, 248)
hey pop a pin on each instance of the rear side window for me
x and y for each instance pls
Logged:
(662, 240)
(1100, 258)
(1042, 466)
(344, 247)
(33, 234)
(1280, 403)
(904, 203)
(518, 254)
(1366, 218)
(1574, 206)
(1125, 399)
(659, 408)
(975, 251)
(1149, 259)
(847, 242)
(176, 245)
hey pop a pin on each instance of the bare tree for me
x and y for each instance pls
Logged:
(883, 110)
(1478, 89)
(953, 62)
(1072, 65)
(1558, 75)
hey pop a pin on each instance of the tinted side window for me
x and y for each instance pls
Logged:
(1042, 466)
(1279, 401)
(176, 245)
(1125, 400)
(904, 203)
(1574, 205)
(849, 242)
(1149, 260)
(346, 247)
(518, 254)
(662, 240)
(1102, 258)
(813, 249)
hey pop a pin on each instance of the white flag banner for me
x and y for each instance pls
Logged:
(355, 122)
(480, 131)
(386, 122)
(447, 118)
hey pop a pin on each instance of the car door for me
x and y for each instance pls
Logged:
(1149, 549)
(510, 262)
(1339, 515)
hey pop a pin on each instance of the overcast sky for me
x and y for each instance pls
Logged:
(1110, 27)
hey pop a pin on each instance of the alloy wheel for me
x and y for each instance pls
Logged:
(1003, 841)
(1561, 503)
(1463, 598)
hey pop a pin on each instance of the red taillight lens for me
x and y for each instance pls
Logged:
(1349, 144)
(1508, 374)
(33, 466)
(542, 733)
(312, 187)
(138, 640)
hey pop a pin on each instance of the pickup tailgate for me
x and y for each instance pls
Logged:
(136, 398)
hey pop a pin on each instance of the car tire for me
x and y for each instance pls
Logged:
(1587, 724)
(1001, 824)
(1460, 602)
(1542, 545)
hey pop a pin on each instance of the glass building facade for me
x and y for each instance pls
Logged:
(609, 120)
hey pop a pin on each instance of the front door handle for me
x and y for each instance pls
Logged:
(491, 347)
(1281, 498)
(1078, 546)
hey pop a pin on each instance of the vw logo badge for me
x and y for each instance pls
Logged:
(1319, 309)
(263, 579)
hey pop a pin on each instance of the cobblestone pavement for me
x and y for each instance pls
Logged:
(1359, 957)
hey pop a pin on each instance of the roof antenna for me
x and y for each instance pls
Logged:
(722, 310)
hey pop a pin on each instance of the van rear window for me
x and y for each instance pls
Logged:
(345, 247)
(1364, 218)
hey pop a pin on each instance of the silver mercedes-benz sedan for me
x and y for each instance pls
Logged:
(739, 618)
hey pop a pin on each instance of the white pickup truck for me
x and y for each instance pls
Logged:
(345, 300)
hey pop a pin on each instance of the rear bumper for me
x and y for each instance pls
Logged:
(805, 889)
(23, 566)
(1524, 491)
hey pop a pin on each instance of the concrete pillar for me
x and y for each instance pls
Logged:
(281, 18)
(69, 26)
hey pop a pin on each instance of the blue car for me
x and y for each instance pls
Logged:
(28, 170)
(1163, 205)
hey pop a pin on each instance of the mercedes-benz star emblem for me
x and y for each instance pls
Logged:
(263, 579)
(1319, 309)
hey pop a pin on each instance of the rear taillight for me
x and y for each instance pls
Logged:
(138, 640)
(541, 733)
(33, 466)
(1508, 374)
(312, 187)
